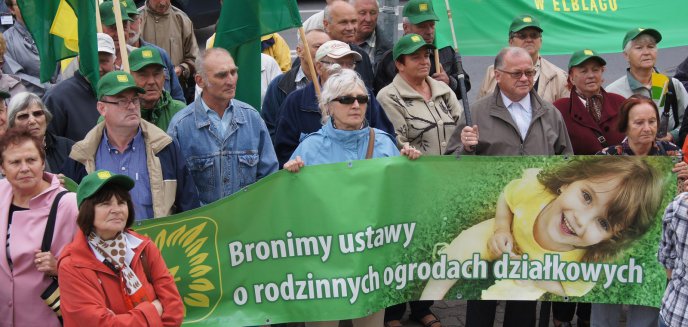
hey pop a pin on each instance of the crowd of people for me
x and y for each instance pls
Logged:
(170, 136)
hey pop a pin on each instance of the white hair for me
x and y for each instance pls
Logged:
(337, 85)
(639, 38)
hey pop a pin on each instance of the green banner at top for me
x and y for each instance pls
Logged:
(482, 26)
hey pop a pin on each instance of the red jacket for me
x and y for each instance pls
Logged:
(91, 292)
(581, 125)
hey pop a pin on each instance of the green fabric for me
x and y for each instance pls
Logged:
(633, 33)
(581, 56)
(239, 29)
(418, 11)
(107, 13)
(143, 57)
(482, 26)
(164, 110)
(524, 21)
(94, 181)
(63, 36)
(408, 44)
(115, 82)
(350, 203)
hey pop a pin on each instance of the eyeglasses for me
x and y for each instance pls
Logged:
(517, 75)
(349, 99)
(525, 35)
(348, 64)
(124, 103)
(25, 116)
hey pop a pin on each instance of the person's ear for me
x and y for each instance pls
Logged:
(101, 108)
(199, 80)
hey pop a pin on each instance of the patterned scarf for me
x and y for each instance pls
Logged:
(114, 252)
(593, 104)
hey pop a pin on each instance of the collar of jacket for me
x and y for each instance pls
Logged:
(497, 109)
(85, 150)
(202, 119)
(286, 83)
(308, 101)
(83, 257)
(548, 71)
(345, 138)
(408, 92)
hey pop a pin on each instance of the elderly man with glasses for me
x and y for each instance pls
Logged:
(549, 80)
(128, 145)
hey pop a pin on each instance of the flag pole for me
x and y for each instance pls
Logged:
(437, 60)
(99, 28)
(120, 35)
(309, 61)
(462, 77)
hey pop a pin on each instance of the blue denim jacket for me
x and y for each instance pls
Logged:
(220, 165)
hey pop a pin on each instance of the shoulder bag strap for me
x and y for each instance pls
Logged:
(371, 143)
(50, 225)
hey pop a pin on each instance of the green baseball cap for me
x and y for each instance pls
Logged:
(94, 181)
(130, 6)
(524, 21)
(107, 14)
(143, 57)
(418, 11)
(634, 33)
(116, 82)
(408, 44)
(584, 55)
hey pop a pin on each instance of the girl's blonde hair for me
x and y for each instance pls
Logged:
(631, 212)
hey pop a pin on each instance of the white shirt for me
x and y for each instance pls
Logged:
(521, 112)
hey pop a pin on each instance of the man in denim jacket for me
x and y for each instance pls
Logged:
(224, 140)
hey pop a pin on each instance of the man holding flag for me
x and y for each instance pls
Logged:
(420, 18)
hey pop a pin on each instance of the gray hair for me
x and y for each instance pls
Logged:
(353, 3)
(299, 41)
(22, 101)
(639, 38)
(200, 60)
(337, 85)
(514, 51)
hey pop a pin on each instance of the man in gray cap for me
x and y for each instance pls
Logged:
(549, 81)
(420, 18)
(73, 101)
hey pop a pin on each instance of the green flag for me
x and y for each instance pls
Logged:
(239, 29)
(482, 26)
(63, 29)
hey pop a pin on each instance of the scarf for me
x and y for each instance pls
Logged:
(593, 104)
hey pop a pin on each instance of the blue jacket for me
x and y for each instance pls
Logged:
(170, 182)
(300, 115)
(330, 145)
(171, 80)
(221, 166)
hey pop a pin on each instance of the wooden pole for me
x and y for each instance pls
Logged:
(309, 61)
(462, 81)
(99, 28)
(120, 35)
(438, 66)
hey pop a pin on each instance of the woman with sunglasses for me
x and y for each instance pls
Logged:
(27, 111)
(424, 111)
(345, 136)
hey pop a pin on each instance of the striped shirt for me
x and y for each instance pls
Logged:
(673, 249)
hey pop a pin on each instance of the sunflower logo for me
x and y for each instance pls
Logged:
(189, 247)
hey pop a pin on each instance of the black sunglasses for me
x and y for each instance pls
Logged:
(349, 99)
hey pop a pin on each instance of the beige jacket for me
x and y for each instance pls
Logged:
(172, 31)
(163, 191)
(426, 125)
(552, 85)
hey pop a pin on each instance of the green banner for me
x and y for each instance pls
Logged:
(482, 26)
(345, 240)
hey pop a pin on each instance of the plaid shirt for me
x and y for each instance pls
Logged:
(673, 251)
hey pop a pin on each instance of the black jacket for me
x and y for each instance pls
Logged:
(73, 105)
(57, 150)
(386, 70)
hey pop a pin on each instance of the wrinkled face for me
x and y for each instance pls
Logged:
(152, 79)
(106, 63)
(3, 117)
(348, 116)
(415, 66)
(121, 110)
(425, 29)
(515, 88)
(134, 32)
(220, 80)
(343, 23)
(315, 39)
(32, 119)
(159, 6)
(587, 77)
(577, 218)
(528, 38)
(110, 217)
(642, 124)
(112, 32)
(367, 11)
(642, 54)
(22, 166)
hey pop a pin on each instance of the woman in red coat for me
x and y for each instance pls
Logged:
(590, 113)
(110, 275)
